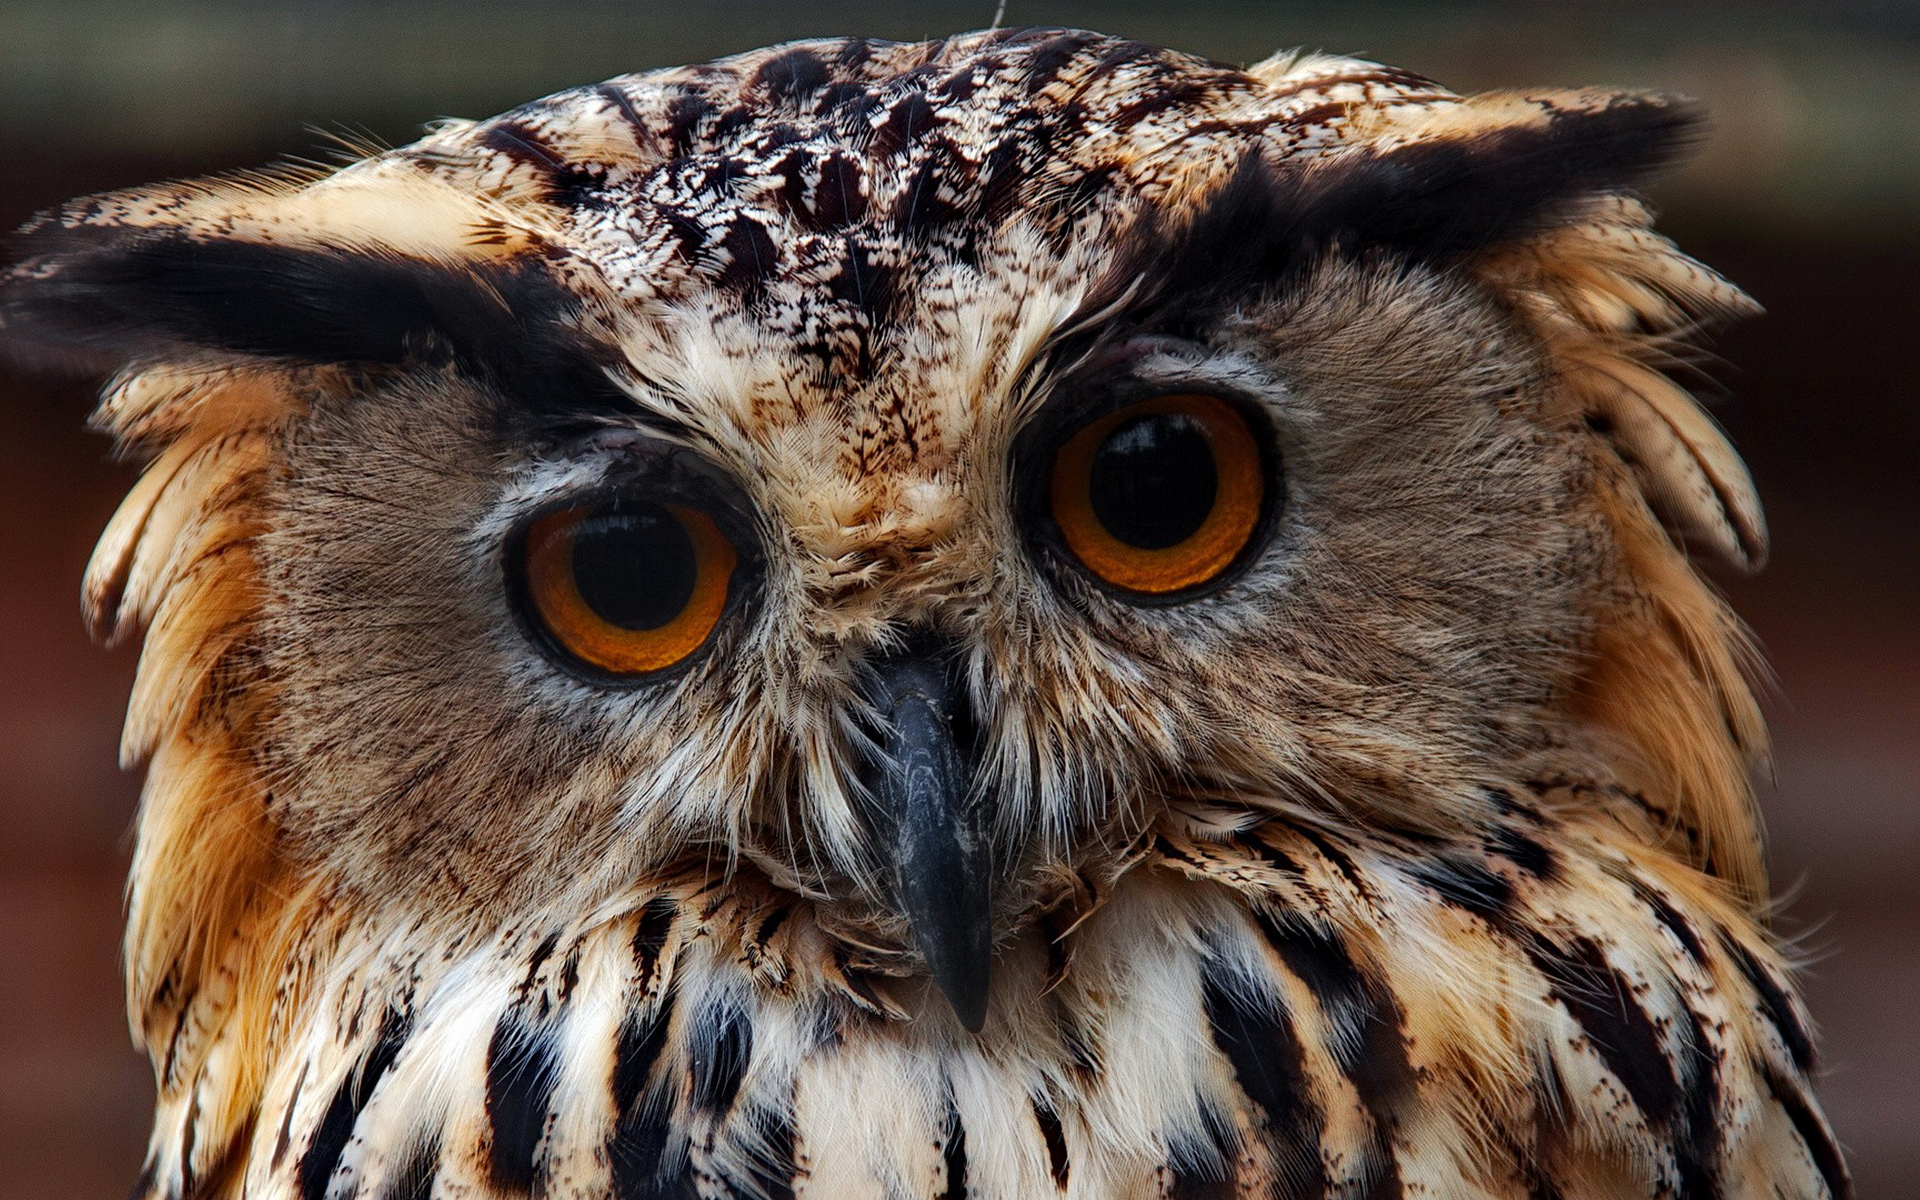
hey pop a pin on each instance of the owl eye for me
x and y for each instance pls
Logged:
(626, 588)
(1161, 496)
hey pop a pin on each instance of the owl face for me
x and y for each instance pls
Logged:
(661, 625)
(905, 473)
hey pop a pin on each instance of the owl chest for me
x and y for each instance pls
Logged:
(1203, 1034)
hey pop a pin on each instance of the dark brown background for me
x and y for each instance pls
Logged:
(1809, 195)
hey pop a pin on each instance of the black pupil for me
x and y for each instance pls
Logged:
(1154, 481)
(634, 568)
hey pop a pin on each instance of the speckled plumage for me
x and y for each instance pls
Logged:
(1417, 859)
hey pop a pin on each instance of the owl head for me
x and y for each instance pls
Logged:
(899, 476)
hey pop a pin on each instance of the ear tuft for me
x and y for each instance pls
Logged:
(1457, 178)
(368, 265)
(148, 294)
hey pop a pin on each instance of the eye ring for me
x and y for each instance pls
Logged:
(1161, 498)
(622, 589)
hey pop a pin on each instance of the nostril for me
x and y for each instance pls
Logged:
(922, 660)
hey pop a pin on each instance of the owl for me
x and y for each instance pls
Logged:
(1024, 615)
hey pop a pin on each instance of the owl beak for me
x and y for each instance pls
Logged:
(932, 823)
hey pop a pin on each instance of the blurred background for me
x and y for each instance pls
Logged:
(1808, 194)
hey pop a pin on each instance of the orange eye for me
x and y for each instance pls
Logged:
(1160, 496)
(628, 588)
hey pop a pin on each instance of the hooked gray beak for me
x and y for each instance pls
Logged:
(931, 822)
